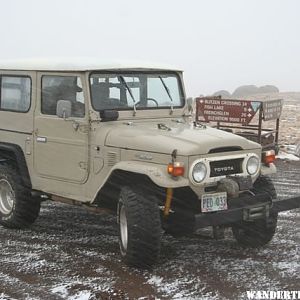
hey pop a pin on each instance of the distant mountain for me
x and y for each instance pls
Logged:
(249, 90)
(245, 90)
(268, 89)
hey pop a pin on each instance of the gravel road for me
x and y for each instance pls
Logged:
(70, 253)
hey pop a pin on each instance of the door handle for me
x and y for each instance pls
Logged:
(41, 139)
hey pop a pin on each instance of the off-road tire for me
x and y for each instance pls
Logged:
(259, 232)
(24, 209)
(143, 227)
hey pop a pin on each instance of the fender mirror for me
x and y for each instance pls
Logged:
(190, 104)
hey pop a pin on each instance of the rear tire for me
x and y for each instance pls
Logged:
(17, 208)
(259, 232)
(140, 228)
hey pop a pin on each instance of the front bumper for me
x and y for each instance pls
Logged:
(246, 208)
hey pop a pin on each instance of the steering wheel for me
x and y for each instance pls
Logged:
(148, 99)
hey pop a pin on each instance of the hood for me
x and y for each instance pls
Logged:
(186, 138)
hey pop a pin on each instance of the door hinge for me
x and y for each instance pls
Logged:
(84, 128)
(83, 165)
(28, 146)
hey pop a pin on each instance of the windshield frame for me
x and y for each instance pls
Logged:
(135, 72)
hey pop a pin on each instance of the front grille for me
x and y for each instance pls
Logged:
(225, 149)
(226, 167)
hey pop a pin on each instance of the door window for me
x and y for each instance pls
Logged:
(69, 88)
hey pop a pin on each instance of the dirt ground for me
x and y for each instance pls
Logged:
(70, 253)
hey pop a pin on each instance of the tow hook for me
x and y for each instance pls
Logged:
(254, 213)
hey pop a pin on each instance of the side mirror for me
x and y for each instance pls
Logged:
(190, 104)
(64, 109)
(109, 115)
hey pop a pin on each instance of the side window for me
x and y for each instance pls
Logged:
(15, 93)
(55, 88)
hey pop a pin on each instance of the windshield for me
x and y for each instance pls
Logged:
(124, 91)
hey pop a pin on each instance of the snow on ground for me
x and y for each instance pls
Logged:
(287, 156)
(70, 254)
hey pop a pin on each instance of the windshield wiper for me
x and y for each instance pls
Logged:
(122, 80)
(168, 92)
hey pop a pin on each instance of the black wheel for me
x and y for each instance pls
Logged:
(140, 228)
(259, 232)
(17, 208)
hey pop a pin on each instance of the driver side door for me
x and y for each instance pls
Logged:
(61, 144)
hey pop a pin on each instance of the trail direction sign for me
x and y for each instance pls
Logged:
(225, 110)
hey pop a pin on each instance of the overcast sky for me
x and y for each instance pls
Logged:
(219, 44)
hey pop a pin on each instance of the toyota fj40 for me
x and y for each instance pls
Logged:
(121, 138)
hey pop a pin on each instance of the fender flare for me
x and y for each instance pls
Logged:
(157, 173)
(16, 152)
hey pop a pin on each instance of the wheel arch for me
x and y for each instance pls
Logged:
(154, 178)
(14, 153)
(108, 194)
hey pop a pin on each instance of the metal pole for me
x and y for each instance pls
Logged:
(260, 123)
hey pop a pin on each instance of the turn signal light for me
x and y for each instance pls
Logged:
(268, 157)
(176, 169)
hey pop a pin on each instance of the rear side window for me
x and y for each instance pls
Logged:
(15, 93)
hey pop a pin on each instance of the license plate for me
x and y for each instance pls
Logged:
(214, 202)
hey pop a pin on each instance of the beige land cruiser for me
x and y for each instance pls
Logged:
(121, 138)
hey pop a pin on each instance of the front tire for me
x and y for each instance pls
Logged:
(140, 228)
(17, 208)
(259, 232)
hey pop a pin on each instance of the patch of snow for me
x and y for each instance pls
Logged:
(8, 279)
(177, 288)
(156, 280)
(61, 290)
(82, 295)
(75, 289)
(291, 149)
(288, 269)
(287, 156)
(5, 297)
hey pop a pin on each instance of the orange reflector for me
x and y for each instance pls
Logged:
(176, 169)
(269, 157)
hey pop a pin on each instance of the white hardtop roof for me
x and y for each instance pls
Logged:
(76, 64)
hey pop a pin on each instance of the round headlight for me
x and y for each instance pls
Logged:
(199, 172)
(252, 165)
